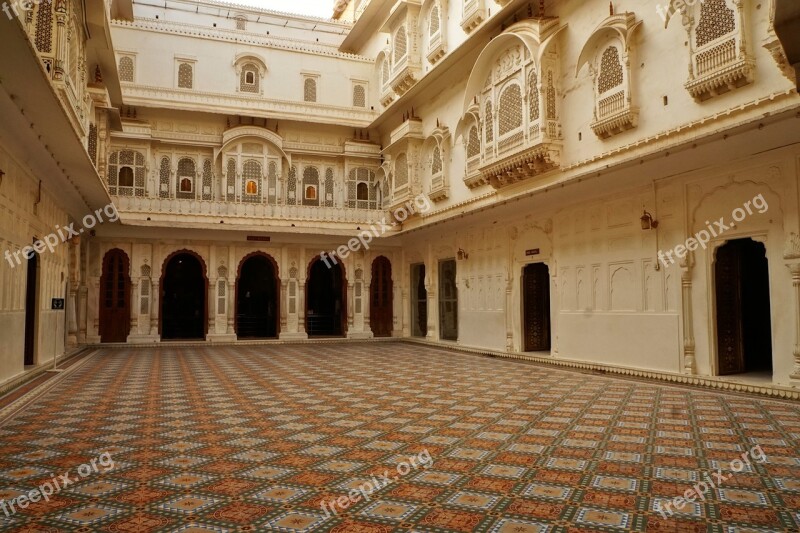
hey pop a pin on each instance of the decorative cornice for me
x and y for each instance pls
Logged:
(238, 37)
(236, 104)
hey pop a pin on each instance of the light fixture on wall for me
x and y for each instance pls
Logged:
(1, 176)
(648, 222)
(462, 254)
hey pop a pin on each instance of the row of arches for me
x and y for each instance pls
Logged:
(184, 298)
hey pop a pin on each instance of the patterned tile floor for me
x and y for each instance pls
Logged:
(258, 438)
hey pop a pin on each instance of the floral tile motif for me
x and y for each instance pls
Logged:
(262, 438)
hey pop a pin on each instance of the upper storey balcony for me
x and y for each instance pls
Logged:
(511, 122)
(249, 182)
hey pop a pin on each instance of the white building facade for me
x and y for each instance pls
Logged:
(613, 187)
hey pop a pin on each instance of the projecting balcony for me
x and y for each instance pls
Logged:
(172, 212)
(614, 115)
(474, 14)
(405, 74)
(436, 48)
(439, 189)
(518, 155)
(719, 67)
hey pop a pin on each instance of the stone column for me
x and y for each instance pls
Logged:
(134, 307)
(284, 304)
(351, 305)
(794, 268)
(689, 366)
(230, 306)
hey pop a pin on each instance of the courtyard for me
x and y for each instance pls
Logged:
(379, 437)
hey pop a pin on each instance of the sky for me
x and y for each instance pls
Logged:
(315, 8)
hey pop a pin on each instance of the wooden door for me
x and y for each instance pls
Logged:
(730, 341)
(448, 301)
(381, 312)
(536, 305)
(115, 292)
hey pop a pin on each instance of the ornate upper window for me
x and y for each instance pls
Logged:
(607, 53)
(241, 22)
(361, 189)
(436, 147)
(310, 90)
(186, 177)
(359, 95)
(250, 69)
(185, 76)
(512, 94)
(401, 172)
(126, 69)
(400, 44)
(126, 173)
(720, 60)
(249, 79)
(311, 186)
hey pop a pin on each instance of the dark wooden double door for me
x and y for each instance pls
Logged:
(115, 295)
(744, 330)
(381, 313)
(536, 308)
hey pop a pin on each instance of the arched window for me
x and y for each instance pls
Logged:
(44, 27)
(716, 20)
(241, 22)
(291, 186)
(187, 173)
(488, 123)
(359, 96)
(435, 22)
(164, 174)
(360, 190)
(385, 74)
(509, 110)
(208, 180)
(311, 186)
(126, 69)
(185, 76)
(126, 177)
(400, 44)
(436, 161)
(251, 181)
(611, 74)
(230, 180)
(249, 82)
(473, 143)
(551, 97)
(126, 173)
(310, 90)
(401, 171)
(533, 95)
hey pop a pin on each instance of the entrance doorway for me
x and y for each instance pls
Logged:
(381, 310)
(419, 301)
(448, 301)
(744, 329)
(115, 292)
(184, 309)
(536, 307)
(31, 308)
(257, 290)
(325, 300)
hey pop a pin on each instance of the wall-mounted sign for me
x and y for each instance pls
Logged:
(534, 251)
(258, 238)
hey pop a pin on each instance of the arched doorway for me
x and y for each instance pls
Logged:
(184, 309)
(744, 328)
(419, 301)
(536, 308)
(31, 308)
(326, 309)
(381, 312)
(115, 294)
(257, 297)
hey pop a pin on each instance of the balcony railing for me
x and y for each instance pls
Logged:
(718, 67)
(200, 211)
